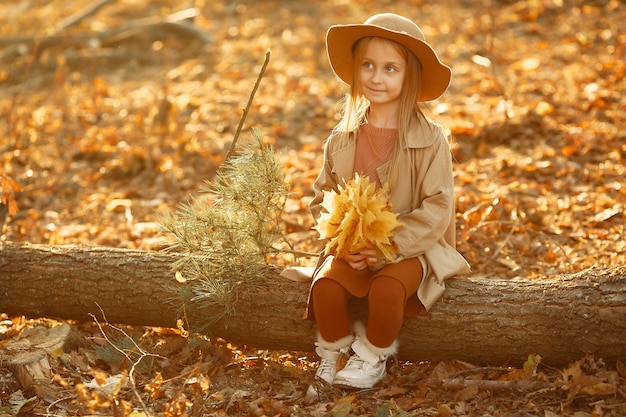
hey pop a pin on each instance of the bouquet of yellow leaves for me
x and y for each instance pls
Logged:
(358, 217)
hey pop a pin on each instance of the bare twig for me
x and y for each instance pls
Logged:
(58, 401)
(504, 243)
(515, 385)
(143, 354)
(298, 253)
(481, 369)
(247, 109)
(76, 18)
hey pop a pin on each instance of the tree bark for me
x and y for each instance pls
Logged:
(479, 320)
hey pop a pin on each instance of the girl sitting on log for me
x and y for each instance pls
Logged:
(383, 135)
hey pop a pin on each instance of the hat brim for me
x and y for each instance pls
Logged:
(340, 39)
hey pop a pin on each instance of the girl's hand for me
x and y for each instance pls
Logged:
(362, 259)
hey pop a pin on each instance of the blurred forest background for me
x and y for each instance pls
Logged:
(114, 111)
(111, 118)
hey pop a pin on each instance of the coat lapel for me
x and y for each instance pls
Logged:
(344, 161)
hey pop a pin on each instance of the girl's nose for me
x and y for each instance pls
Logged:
(376, 77)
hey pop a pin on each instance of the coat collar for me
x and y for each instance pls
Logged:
(422, 133)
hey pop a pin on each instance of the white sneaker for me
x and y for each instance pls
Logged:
(331, 354)
(367, 366)
(327, 368)
(358, 373)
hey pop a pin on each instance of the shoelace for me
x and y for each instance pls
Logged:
(325, 366)
(358, 362)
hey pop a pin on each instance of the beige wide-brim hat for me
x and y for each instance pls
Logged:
(341, 38)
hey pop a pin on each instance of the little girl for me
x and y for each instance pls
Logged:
(384, 135)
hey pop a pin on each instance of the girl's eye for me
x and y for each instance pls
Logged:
(390, 69)
(367, 64)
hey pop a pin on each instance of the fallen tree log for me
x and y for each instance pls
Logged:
(479, 320)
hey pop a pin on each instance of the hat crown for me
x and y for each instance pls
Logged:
(397, 23)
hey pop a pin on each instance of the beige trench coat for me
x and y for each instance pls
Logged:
(423, 199)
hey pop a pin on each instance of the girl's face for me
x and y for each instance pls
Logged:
(382, 72)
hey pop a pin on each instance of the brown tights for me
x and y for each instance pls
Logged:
(386, 301)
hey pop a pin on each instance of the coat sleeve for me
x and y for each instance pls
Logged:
(426, 225)
(325, 181)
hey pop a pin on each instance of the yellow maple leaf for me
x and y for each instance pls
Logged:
(358, 217)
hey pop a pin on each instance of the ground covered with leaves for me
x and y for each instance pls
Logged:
(112, 117)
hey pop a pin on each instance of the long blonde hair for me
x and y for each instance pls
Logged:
(356, 106)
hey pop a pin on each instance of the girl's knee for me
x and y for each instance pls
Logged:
(327, 286)
(326, 290)
(387, 289)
